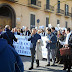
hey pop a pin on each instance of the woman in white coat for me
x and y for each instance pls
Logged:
(39, 50)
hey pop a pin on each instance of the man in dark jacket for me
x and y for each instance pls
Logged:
(51, 46)
(27, 32)
(34, 38)
(0, 30)
(9, 59)
(8, 35)
(53, 30)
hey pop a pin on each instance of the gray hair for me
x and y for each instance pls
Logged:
(7, 26)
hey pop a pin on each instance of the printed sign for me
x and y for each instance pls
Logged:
(22, 46)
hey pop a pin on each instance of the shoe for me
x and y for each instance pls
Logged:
(37, 66)
(68, 71)
(48, 65)
(56, 61)
(64, 69)
(53, 65)
(60, 62)
(51, 60)
(31, 68)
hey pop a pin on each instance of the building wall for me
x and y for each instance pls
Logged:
(23, 13)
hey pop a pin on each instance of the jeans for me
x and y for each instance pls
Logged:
(53, 55)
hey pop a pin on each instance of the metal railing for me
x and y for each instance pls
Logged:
(49, 7)
(34, 2)
(60, 11)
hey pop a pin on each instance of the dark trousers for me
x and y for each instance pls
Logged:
(37, 61)
(32, 57)
(67, 62)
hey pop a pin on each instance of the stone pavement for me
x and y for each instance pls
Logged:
(42, 68)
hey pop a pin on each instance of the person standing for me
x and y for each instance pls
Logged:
(51, 46)
(42, 32)
(59, 58)
(27, 32)
(15, 31)
(53, 30)
(34, 38)
(8, 35)
(67, 58)
(9, 58)
(38, 55)
(0, 30)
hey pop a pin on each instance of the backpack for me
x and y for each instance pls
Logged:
(70, 41)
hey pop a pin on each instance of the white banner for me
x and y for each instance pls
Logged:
(23, 46)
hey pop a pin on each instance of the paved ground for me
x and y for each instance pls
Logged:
(42, 68)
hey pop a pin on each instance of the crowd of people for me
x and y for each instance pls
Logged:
(56, 39)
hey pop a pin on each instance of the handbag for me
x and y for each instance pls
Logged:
(65, 51)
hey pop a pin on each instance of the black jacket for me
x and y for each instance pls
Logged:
(70, 41)
(27, 32)
(9, 36)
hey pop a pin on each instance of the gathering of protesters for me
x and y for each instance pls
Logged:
(56, 41)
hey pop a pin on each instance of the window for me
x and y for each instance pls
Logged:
(47, 4)
(33, 2)
(66, 9)
(32, 21)
(58, 21)
(66, 24)
(71, 12)
(58, 4)
(47, 21)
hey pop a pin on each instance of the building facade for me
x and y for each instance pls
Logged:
(26, 13)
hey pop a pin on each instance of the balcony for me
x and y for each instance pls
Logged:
(49, 8)
(34, 4)
(71, 15)
(60, 12)
(67, 15)
(13, 0)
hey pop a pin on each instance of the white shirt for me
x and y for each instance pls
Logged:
(67, 38)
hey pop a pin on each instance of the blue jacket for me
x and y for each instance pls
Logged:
(34, 39)
(9, 58)
(53, 40)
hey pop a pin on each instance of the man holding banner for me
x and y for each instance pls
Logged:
(34, 38)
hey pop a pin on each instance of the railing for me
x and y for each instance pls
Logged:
(13, 0)
(49, 7)
(60, 11)
(68, 14)
(34, 2)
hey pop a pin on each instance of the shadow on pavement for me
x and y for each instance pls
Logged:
(25, 59)
(44, 69)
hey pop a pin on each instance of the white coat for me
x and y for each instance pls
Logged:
(39, 50)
